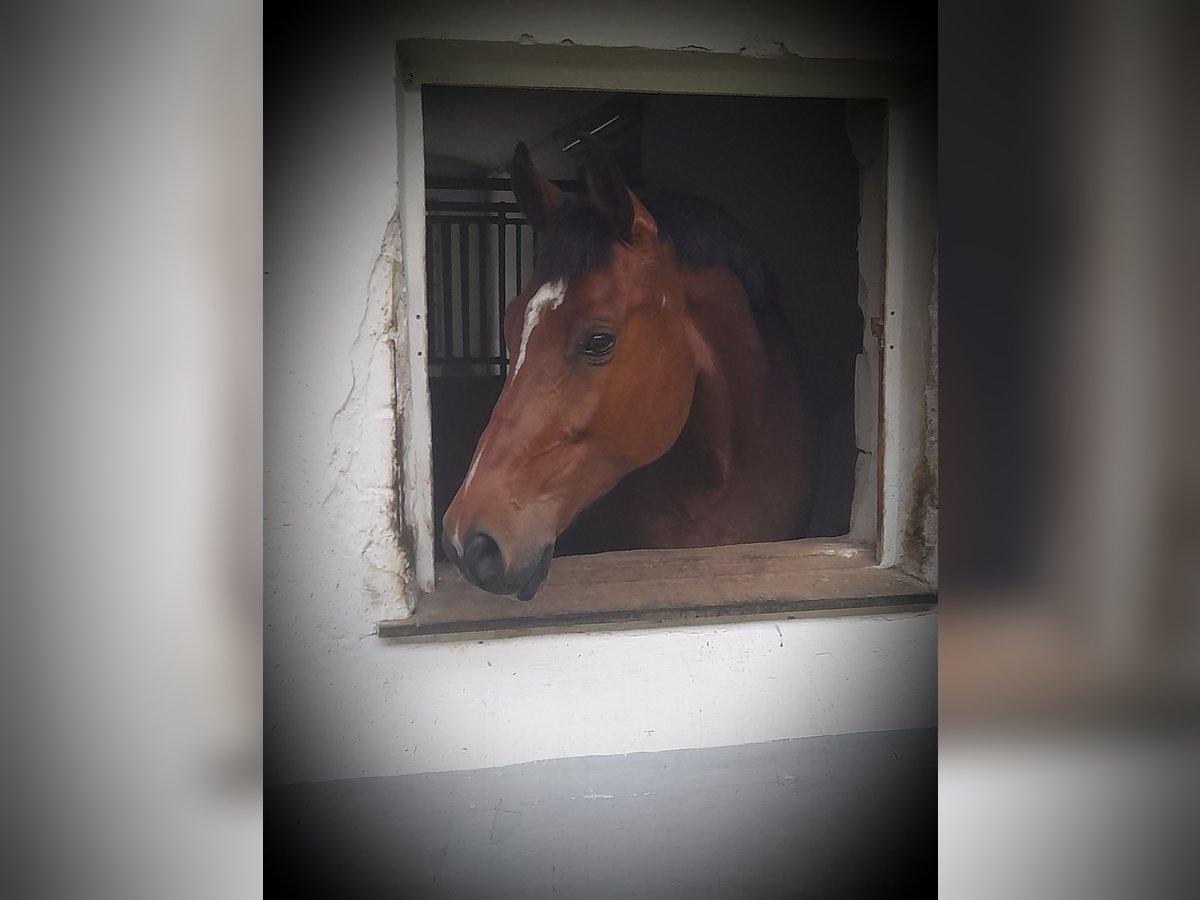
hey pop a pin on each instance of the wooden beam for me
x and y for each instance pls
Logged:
(662, 586)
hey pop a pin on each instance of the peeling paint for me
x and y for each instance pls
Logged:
(362, 503)
(760, 49)
(865, 130)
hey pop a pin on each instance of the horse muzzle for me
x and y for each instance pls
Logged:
(482, 563)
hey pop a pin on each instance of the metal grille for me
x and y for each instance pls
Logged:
(477, 255)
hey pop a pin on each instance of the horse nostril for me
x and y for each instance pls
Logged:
(482, 560)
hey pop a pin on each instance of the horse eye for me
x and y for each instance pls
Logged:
(597, 346)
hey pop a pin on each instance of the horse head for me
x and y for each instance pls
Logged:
(600, 383)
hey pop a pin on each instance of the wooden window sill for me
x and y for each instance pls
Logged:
(643, 588)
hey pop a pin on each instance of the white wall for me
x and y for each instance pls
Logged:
(343, 703)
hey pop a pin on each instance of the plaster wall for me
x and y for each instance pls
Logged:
(341, 702)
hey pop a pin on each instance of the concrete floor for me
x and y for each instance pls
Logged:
(844, 815)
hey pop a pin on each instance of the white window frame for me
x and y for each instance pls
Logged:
(896, 339)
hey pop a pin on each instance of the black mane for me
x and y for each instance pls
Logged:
(579, 239)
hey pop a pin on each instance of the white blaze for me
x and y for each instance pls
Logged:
(474, 466)
(551, 294)
(456, 538)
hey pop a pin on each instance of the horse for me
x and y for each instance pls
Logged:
(654, 385)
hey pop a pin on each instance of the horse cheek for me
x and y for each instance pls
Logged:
(667, 399)
(681, 393)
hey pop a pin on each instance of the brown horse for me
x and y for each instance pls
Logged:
(653, 384)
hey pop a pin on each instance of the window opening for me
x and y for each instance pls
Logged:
(783, 168)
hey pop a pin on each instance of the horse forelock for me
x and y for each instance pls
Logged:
(578, 240)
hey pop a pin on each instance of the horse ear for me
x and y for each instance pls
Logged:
(537, 196)
(611, 196)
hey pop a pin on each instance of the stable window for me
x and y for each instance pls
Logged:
(826, 167)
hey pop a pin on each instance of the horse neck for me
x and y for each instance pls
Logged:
(729, 407)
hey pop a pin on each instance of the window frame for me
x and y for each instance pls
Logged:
(895, 266)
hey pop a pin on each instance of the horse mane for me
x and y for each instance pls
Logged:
(703, 234)
(579, 239)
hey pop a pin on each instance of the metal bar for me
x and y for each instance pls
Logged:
(447, 295)
(467, 220)
(444, 220)
(485, 343)
(468, 363)
(431, 301)
(450, 183)
(595, 130)
(464, 288)
(502, 292)
(496, 206)
(520, 280)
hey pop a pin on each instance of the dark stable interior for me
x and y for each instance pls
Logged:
(783, 168)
